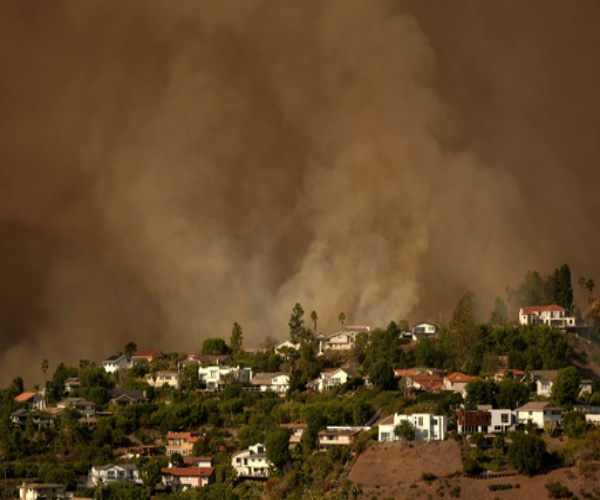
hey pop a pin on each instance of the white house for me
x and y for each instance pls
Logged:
(112, 473)
(118, 362)
(424, 330)
(539, 413)
(552, 315)
(340, 341)
(35, 491)
(427, 427)
(286, 345)
(331, 378)
(213, 377)
(184, 478)
(502, 420)
(544, 380)
(252, 462)
(165, 377)
(277, 382)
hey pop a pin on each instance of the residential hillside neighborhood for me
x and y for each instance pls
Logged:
(291, 417)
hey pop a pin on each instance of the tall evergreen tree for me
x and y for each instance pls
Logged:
(562, 288)
(237, 339)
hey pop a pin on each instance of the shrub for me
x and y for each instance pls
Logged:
(500, 487)
(558, 490)
(527, 453)
(455, 492)
(428, 476)
(471, 466)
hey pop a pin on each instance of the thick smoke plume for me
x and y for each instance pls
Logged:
(168, 168)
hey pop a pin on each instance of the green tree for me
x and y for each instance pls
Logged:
(527, 453)
(533, 290)
(566, 387)
(214, 346)
(237, 339)
(130, 348)
(382, 376)
(177, 460)
(512, 393)
(464, 333)
(122, 490)
(562, 289)
(587, 284)
(481, 392)
(29, 427)
(277, 446)
(405, 431)
(574, 424)
(150, 470)
(298, 331)
(499, 315)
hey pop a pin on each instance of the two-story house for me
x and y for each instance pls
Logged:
(552, 315)
(87, 409)
(215, 376)
(164, 378)
(343, 340)
(332, 378)
(181, 442)
(117, 362)
(33, 400)
(278, 382)
(469, 421)
(198, 472)
(457, 382)
(252, 462)
(339, 436)
(426, 427)
(424, 329)
(539, 413)
(112, 473)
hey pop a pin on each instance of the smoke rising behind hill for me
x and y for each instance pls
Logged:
(170, 168)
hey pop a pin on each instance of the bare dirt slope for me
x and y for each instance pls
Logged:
(394, 470)
(392, 464)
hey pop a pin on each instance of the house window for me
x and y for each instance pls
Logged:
(504, 418)
(420, 421)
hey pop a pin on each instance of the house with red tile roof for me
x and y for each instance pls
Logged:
(418, 382)
(552, 315)
(185, 478)
(32, 399)
(147, 356)
(181, 442)
(457, 382)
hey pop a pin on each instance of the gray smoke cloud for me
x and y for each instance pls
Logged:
(170, 168)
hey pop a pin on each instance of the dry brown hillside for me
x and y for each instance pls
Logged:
(394, 470)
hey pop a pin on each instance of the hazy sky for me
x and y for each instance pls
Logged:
(168, 168)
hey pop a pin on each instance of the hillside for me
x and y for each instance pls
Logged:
(394, 470)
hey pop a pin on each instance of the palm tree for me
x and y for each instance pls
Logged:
(44, 367)
(342, 319)
(315, 318)
(130, 348)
